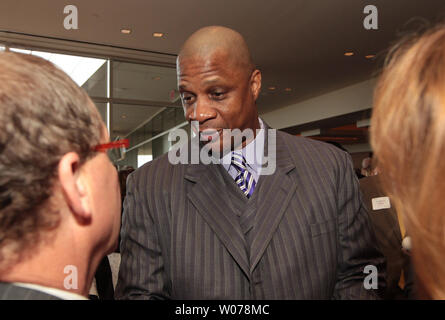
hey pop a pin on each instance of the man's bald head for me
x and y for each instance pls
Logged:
(217, 40)
(218, 83)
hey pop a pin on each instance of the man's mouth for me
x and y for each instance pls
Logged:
(208, 135)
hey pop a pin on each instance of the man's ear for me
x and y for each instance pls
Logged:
(255, 83)
(73, 186)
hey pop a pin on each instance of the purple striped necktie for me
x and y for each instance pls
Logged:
(244, 179)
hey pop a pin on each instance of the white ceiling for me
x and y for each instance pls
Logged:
(143, 82)
(296, 43)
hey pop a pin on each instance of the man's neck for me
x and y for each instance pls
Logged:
(55, 267)
(258, 126)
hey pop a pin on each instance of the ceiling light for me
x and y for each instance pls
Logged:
(126, 31)
(348, 54)
(288, 89)
(158, 34)
(124, 116)
(370, 56)
(271, 88)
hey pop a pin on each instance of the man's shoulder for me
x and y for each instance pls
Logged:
(306, 148)
(161, 162)
(10, 291)
(159, 167)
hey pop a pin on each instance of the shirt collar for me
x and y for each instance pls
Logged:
(249, 151)
(62, 294)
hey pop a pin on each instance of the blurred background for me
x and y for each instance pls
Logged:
(319, 62)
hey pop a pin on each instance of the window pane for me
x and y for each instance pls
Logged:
(144, 158)
(96, 85)
(102, 107)
(88, 73)
(126, 118)
(160, 123)
(143, 82)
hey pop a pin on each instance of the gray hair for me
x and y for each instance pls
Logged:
(43, 115)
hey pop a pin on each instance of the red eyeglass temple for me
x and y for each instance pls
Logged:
(115, 144)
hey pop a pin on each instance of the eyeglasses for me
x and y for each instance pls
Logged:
(115, 150)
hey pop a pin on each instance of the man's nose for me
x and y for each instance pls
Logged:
(202, 111)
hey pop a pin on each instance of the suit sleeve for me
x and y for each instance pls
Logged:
(142, 274)
(357, 243)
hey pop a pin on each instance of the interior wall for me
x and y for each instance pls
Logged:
(356, 97)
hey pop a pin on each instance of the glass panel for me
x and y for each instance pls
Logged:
(88, 73)
(130, 161)
(137, 157)
(165, 119)
(144, 82)
(102, 107)
(126, 118)
(144, 158)
(96, 85)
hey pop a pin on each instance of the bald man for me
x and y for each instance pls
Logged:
(287, 224)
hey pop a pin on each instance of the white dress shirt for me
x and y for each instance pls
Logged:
(249, 152)
(62, 294)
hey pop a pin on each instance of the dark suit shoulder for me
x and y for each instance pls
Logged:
(311, 144)
(313, 154)
(158, 176)
(10, 291)
(152, 168)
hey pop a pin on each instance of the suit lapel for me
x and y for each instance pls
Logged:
(274, 193)
(210, 198)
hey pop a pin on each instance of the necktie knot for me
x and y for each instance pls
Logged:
(244, 179)
(239, 162)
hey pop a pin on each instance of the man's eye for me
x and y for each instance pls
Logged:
(187, 98)
(218, 95)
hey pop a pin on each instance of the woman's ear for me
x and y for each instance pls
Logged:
(73, 186)
(255, 83)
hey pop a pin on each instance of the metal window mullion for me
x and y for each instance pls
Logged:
(110, 96)
(148, 103)
(145, 122)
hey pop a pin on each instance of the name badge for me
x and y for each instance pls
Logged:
(380, 203)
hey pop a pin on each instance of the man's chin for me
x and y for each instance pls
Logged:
(217, 148)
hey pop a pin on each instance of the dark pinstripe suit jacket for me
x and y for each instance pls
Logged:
(312, 237)
(9, 291)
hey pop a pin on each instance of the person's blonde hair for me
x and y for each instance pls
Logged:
(408, 138)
